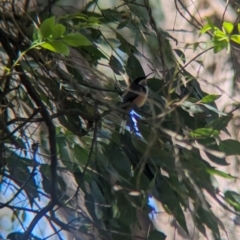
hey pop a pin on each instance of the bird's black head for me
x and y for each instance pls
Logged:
(142, 80)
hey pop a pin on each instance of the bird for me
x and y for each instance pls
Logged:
(135, 96)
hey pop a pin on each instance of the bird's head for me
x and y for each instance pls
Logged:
(142, 80)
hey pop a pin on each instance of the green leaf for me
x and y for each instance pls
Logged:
(230, 147)
(94, 19)
(205, 28)
(125, 45)
(203, 132)
(238, 26)
(111, 15)
(47, 27)
(58, 30)
(115, 65)
(128, 213)
(97, 193)
(200, 226)
(63, 149)
(208, 26)
(123, 24)
(218, 46)
(211, 24)
(219, 173)
(81, 154)
(218, 160)
(56, 46)
(228, 27)
(20, 169)
(36, 35)
(214, 109)
(170, 199)
(155, 235)
(233, 195)
(180, 54)
(76, 40)
(78, 15)
(134, 68)
(219, 35)
(121, 162)
(211, 144)
(235, 38)
(209, 219)
(192, 108)
(233, 199)
(210, 98)
(221, 122)
(155, 84)
(93, 52)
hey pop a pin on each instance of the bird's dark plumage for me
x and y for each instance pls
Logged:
(135, 96)
(137, 93)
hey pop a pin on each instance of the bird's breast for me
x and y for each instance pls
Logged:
(141, 99)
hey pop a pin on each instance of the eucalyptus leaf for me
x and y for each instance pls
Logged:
(181, 55)
(221, 122)
(210, 98)
(214, 109)
(169, 198)
(81, 154)
(116, 66)
(233, 198)
(230, 147)
(204, 132)
(76, 40)
(125, 45)
(134, 68)
(220, 173)
(123, 24)
(209, 220)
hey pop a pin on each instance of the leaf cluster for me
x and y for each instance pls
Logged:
(75, 119)
(222, 38)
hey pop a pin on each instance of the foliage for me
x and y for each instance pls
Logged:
(222, 38)
(72, 112)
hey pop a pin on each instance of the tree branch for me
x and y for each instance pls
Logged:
(84, 115)
(51, 129)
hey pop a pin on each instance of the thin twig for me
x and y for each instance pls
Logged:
(27, 120)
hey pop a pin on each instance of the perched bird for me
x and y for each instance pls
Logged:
(137, 93)
(135, 96)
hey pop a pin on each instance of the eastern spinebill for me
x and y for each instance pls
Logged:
(135, 96)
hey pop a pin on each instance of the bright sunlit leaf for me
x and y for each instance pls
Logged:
(219, 173)
(47, 27)
(210, 98)
(228, 27)
(235, 38)
(56, 46)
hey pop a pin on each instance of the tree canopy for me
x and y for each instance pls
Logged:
(63, 160)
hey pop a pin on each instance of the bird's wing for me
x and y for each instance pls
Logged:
(129, 96)
(132, 94)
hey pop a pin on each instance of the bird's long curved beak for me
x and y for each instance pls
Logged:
(149, 74)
